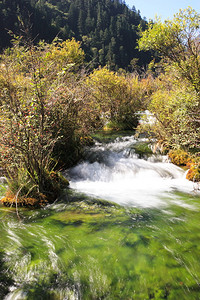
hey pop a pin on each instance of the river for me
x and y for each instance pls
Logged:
(128, 228)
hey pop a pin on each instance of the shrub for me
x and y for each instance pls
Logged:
(193, 173)
(179, 157)
(118, 97)
(43, 111)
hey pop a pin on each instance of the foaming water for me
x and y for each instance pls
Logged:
(115, 172)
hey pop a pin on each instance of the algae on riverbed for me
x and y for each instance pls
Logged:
(90, 251)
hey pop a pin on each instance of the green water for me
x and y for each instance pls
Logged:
(87, 250)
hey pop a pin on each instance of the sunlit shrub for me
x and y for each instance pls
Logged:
(43, 110)
(172, 105)
(118, 97)
(179, 157)
(182, 158)
(193, 173)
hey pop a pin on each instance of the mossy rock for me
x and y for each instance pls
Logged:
(107, 136)
(54, 185)
(142, 149)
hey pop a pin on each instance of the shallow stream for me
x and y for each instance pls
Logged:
(128, 228)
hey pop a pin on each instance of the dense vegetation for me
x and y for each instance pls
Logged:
(176, 101)
(107, 29)
(48, 107)
(40, 113)
(49, 104)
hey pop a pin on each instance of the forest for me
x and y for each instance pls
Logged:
(107, 29)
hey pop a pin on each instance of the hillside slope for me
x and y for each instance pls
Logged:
(107, 28)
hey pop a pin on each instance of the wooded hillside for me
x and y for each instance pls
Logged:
(108, 29)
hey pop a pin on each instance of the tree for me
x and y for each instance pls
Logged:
(178, 41)
(78, 18)
(176, 104)
(171, 104)
(81, 23)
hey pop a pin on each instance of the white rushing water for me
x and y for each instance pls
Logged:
(114, 172)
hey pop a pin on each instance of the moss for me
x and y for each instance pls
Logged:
(142, 149)
(121, 124)
(106, 136)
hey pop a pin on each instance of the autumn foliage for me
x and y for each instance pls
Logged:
(48, 107)
(40, 100)
(118, 96)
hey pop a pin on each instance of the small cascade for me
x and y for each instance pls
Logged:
(115, 172)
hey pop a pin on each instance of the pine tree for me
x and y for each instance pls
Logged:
(81, 23)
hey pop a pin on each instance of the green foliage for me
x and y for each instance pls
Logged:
(172, 105)
(178, 41)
